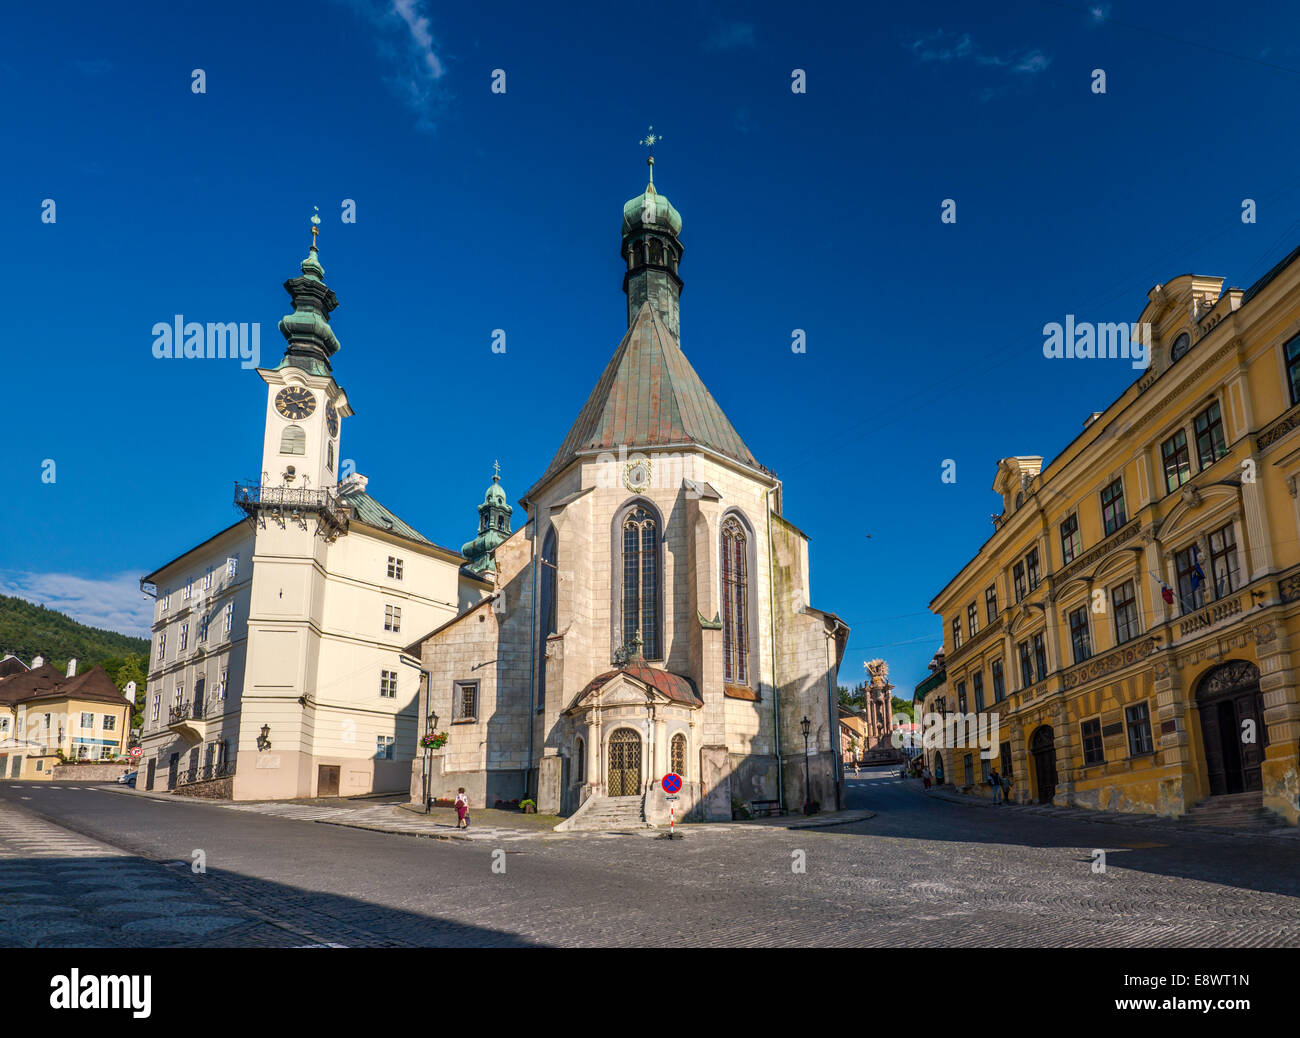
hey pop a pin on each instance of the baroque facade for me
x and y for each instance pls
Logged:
(1132, 621)
(651, 615)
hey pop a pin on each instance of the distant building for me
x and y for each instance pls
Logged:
(48, 714)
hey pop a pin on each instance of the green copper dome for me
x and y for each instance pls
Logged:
(493, 528)
(651, 210)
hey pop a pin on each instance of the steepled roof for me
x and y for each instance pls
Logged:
(649, 396)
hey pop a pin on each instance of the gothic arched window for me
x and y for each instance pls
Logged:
(735, 602)
(546, 578)
(641, 581)
(293, 440)
(677, 755)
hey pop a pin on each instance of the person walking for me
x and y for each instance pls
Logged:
(462, 809)
(995, 780)
(925, 775)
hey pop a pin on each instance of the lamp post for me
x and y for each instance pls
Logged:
(805, 725)
(428, 763)
(264, 740)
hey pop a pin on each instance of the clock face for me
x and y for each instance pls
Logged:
(295, 402)
(332, 419)
(636, 477)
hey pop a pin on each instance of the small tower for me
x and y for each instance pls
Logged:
(493, 526)
(652, 251)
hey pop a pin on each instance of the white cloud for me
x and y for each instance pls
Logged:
(114, 603)
(952, 48)
(404, 39)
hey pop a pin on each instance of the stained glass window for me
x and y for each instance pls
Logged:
(735, 601)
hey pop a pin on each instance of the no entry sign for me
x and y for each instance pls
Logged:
(137, 751)
(671, 782)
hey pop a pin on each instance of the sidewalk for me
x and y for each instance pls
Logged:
(1083, 814)
(485, 823)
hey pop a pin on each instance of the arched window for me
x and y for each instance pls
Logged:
(293, 440)
(735, 602)
(641, 581)
(678, 754)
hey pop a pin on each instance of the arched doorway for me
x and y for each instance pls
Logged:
(938, 769)
(624, 764)
(1228, 697)
(1043, 747)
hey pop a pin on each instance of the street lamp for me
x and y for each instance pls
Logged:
(428, 752)
(264, 740)
(805, 724)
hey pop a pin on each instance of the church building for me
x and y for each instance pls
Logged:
(651, 615)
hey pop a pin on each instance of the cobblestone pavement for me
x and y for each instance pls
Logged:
(921, 871)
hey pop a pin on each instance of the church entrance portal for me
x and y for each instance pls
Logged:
(1230, 705)
(624, 764)
(1043, 747)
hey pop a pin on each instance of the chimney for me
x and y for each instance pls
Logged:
(39, 661)
(72, 667)
(130, 692)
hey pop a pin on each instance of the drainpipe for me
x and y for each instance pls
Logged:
(423, 720)
(831, 699)
(532, 664)
(776, 696)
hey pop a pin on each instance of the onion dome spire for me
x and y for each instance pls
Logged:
(311, 340)
(652, 250)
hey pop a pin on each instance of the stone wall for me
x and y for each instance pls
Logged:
(90, 772)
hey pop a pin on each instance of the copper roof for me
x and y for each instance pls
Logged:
(674, 686)
(648, 396)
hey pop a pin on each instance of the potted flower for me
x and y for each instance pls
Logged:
(433, 740)
(528, 807)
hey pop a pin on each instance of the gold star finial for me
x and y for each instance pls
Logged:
(315, 225)
(649, 141)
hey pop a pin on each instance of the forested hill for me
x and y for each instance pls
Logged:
(28, 630)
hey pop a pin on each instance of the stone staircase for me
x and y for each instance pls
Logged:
(1241, 811)
(606, 813)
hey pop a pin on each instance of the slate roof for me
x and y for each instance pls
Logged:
(674, 686)
(648, 396)
(50, 682)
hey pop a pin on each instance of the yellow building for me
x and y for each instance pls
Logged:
(45, 713)
(1129, 623)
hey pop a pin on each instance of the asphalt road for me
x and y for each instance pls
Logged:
(84, 865)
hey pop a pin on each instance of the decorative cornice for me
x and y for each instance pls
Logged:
(1090, 670)
(1160, 405)
(980, 636)
(1285, 423)
(1104, 548)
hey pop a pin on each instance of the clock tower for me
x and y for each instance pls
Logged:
(305, 407)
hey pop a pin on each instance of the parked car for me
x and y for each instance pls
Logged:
(128, 779)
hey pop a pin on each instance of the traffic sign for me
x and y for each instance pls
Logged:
(137, 751)
(671, 796)
(671, 782)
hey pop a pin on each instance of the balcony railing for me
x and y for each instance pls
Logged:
(203, 773)
(283, 504)
(187, 711)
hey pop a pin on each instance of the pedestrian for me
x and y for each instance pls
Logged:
(925, 775)
(462, 809)
(995, 780)
(1006, 788)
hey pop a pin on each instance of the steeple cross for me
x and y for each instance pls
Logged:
(315, 225)
(496, 469)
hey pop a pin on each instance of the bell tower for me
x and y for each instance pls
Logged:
(652, 250)
(305, 406)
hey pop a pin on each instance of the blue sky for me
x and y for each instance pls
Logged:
(479, 210)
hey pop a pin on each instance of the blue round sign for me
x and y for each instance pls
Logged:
(671, 782)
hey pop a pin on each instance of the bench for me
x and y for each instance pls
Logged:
(765, 808)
